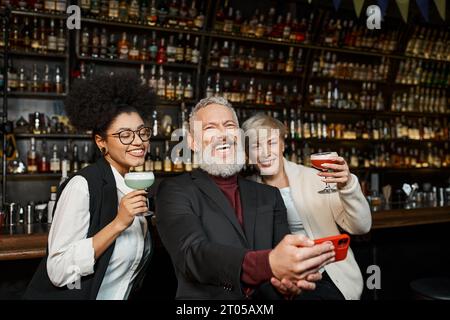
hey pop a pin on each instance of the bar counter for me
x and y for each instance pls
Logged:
(29, 242)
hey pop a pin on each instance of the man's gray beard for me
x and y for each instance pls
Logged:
(222, 170)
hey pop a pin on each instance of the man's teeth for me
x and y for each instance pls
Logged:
(223, 147)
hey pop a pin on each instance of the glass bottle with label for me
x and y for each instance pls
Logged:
(55, 161)
(32, 164)
(123, 47)
(158, 165)
(167, 161)
(85, 162)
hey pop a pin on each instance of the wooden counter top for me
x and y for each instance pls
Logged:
(16, 244)
(410, 217)
(23, 241)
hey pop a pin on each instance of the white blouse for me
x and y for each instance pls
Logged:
(294, 221)
(71, 253)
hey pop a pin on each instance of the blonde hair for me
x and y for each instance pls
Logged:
(261, 121)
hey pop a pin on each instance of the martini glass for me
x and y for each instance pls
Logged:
(317, 160)
(140, 181)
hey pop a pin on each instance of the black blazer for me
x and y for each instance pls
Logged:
(200, 230)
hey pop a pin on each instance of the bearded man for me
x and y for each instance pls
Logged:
(228, 237)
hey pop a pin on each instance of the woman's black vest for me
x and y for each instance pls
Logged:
(103, 209)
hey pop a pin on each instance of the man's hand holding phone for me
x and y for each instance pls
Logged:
(297, 259)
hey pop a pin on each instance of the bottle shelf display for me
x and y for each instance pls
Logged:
(333, 82)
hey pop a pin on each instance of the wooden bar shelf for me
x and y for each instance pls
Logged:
(137, 62)
(142, 26)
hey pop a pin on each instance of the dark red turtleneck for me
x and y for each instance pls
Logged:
(255, 267)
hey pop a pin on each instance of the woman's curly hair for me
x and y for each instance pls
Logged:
(93, 104)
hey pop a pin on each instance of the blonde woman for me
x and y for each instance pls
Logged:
(310, 213)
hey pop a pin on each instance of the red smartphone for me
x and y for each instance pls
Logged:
(341, 243)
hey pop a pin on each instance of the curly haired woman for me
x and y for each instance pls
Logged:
(99, 243)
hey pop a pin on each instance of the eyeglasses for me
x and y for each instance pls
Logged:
(126, 137)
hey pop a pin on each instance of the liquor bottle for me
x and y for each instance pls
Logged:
(65, 162)
(153, 82)
(167, 161)
(261, 29)
(220, 17)
(50, 5)
(209, 88)
(299, 66)
(123, 47)
(47, 85)
(188, 164)
(290, 61)
(188, 90)
(61, 38)
(44, 164)
(179, 88)
(55, 162)
(35, 82)
(161, 84)
(32, 161)
(103, 44)
(251, 59)
(85, 6)
(113, 12)
(15, 39)
(251, 93)
(195, 51)
(215, 55)
(228, 21)
(85, 36)
(281, 65)
(162, 14)
(133, 11)
(59, 83)
(224, 61)
(152, 18)
(123, 10)
(170, 88)
(22, 80)
(51, 204)
(158, 164)
(199, 20)
(179, 50)
(155, 124)
(153, 48)
(161, 56)
(95, 44)
(112, 48)
(43, 37)
(85, 159)
(94, 9)
(178, 163)
(142, 74)
(133, 54)
(188, 50)
(149, 164)
(75, 160)
(61, 6)
(35, 43)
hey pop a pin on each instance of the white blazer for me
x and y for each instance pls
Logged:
(321, 213)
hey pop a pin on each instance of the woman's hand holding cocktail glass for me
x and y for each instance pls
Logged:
(337, 171)
(140, 181)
